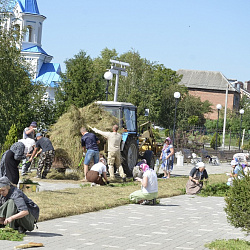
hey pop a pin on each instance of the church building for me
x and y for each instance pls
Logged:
(26, 17)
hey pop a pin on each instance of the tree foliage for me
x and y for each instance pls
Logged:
(213, 141)
(148, 85)
(238, 203)
(80, 85)
(21, 99)
(10, 138)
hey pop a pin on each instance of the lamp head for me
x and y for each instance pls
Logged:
(177, 95)
(242, 111)
(218, 106)
(108, 75)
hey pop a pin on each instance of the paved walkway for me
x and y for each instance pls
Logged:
(181, 222)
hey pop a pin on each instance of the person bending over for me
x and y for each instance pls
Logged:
(196, 177)
(16, 209)
(97, 173)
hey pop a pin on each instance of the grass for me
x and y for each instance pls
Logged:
(8, 233)
(73, 201)
(231, 244)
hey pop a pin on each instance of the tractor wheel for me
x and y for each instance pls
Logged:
(149, 157)
(129, 156)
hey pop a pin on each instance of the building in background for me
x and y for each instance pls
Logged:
(212, 86)
(26, 17)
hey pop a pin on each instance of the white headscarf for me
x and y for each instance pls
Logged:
(28, 143)
(200, 165)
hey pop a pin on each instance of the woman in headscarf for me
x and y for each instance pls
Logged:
(167, 157)
(12, 157)
(196, 177)
(16, 209)
(237, 172)
(149, 186)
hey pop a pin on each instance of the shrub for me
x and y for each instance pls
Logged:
(238, 203)
(231, 244)
(217, 189)
(213, 141)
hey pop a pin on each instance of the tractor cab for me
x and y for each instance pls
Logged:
(125, 112)
(127, 116)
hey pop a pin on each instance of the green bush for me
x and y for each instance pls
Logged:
(231, 244)
(213, 141)
(238, 203)
(218, 189)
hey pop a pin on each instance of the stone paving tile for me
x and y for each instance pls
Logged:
(173, 224)
(181, 222)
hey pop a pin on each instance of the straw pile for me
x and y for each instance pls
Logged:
(65, 134)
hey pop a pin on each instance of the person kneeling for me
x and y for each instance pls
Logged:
(16, 209)
(149, 186)
(96, 172)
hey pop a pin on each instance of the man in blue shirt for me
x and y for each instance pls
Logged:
(89, 143)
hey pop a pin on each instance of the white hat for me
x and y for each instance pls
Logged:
(234, 163)
(200, 165)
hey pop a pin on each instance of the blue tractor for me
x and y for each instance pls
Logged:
(127, 116)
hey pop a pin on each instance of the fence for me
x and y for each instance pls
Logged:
(200, 137)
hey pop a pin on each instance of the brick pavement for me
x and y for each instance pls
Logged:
(181, 222)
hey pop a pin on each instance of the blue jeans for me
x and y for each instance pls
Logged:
(91, 154)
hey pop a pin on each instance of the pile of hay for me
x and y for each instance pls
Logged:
(65, 134)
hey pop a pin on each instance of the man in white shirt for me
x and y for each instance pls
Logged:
(97, 173)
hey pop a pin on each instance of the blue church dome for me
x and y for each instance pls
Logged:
(29, 6)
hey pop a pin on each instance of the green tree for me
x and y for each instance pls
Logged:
(193, 120)
(80, 85)
(15, 82)
(10, 138)
(148, 85)
(21, 98)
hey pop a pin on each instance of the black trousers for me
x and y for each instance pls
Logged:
(11, 166)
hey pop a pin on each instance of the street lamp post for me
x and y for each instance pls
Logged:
(241, 113)
(177, 95)
(218, 106)
(108, 76)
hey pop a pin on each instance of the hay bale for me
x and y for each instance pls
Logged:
(62, 160)
(65, 134)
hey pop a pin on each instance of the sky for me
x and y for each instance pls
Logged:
(211, 35)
